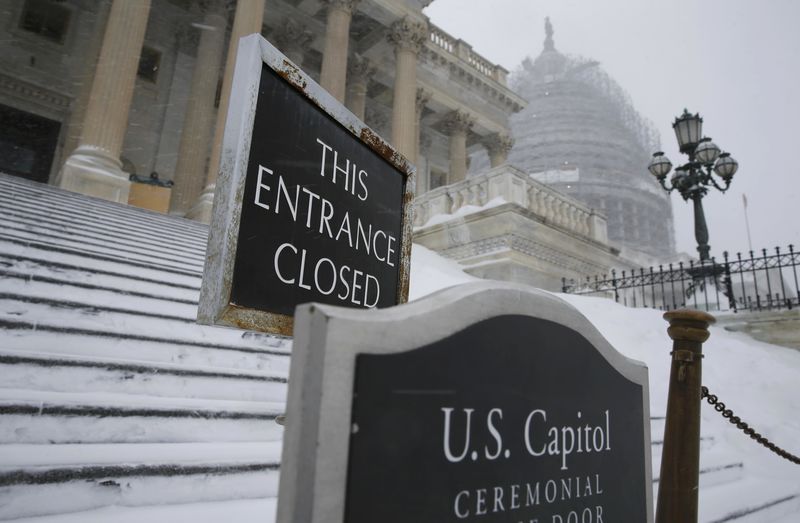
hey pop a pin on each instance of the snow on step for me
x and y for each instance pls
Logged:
(60, 234)
(240, 511)
(52, 417)
(82, 477)
(43, 328)
(42, 371)
(87, 211)
(110, 393)
(36, 259)
(749, 501)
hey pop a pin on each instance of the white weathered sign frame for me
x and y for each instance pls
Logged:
(254, 52)
(314, 462)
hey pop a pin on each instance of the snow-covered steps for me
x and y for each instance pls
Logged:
(749, 501)
(110, 393)
(47, 371)
(716, 468)
(52, 479)
(57, 336)
(47, 417)
(260, 510)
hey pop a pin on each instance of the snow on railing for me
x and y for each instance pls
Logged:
(512, 186)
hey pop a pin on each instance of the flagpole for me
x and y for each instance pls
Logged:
(747, 222)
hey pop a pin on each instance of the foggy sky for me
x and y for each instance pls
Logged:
(733, 61)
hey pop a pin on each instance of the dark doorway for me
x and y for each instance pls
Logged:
(27, 143)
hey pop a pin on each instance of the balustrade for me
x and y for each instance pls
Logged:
(506, 184)
(462, 50)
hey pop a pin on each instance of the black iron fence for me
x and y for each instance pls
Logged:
(735, 283)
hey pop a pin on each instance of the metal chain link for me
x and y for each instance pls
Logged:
(744, 427)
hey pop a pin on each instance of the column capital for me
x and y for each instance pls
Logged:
(408, 34)
(293, 34)
(359, 68)
(458, 121)
(343, 5)
(498, 143)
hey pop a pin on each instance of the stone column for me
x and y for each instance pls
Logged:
(247, 20)
(94, 168)
(423, 97)
(457, 124)
(198, 123)
(498, 145)
(84, 81)
(408, 36)
(294, 40)
(359, 70)
(333, 74)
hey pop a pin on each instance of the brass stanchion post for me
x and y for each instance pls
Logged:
(680, 460)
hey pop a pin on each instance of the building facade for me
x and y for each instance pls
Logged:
(92, 92)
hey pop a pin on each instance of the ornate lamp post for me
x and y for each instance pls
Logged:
(693, 179)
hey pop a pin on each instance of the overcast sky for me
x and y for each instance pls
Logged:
(736, 62)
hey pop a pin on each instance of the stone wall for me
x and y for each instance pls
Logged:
(505, 225)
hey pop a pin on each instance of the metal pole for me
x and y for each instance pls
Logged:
(700, 227)
(680, 460)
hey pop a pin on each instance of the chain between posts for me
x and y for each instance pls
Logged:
(744, 427)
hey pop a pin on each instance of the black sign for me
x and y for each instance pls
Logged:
(321, 216)
(513, 419)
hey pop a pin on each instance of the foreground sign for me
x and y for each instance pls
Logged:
(482, 403)
(311, 205)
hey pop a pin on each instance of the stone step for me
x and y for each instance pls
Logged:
(30, 416)
(657, 431)
(100, 249)
(81, 209)
(750, 501)
(37, 480)
(150, 337)
(36, 261)
(56, 225)
(56, 341)
(39, 264)
(48, 372)
(715, 469)
(259, 510)
(48, 252)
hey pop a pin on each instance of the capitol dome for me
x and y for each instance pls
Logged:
(581, 135)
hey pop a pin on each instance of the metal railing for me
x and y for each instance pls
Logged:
(736, 283)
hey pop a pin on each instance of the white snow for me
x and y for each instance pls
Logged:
(463, 211)
(757, 380)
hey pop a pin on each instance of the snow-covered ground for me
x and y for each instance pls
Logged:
(758, 381)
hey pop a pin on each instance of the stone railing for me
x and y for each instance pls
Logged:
(505, 184)
(463, 50)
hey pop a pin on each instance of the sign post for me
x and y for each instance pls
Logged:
(310, 204)
(484, 402)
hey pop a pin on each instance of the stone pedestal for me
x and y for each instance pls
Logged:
(457, 124)
(408, 36)
(248, 20)
(94, 168)
(333, 74)
(199, 121)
